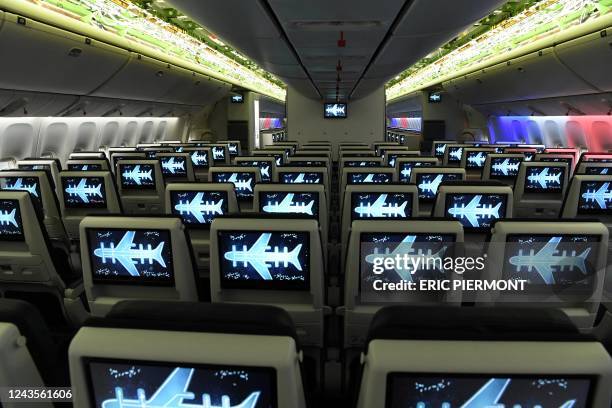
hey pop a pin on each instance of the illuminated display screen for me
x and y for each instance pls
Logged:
(453, 390)
(136, 256)
(544, 179)
(595, 197)
(232, 147)
(505, 167)
(84, 192)
(265, 168)
(369, 178)
(405, 170)
(476, 159)
(475, 211)
(428, 183)
(301, 178)
(264, 260)
(283, 202)
(454, 153)
(380, 206)
(198, 208)
(244, 182)
(29, 184)
(361, 163)
(218, 153)
(131, 383)
(173, 166)
(439, 149)
(308, 163)
(598, 170)
(84, 167)
(335, 110)
(137, 176)
(552, 260)
(199, 159)
(11, 225)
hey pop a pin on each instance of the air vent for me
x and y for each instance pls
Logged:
(335, 25)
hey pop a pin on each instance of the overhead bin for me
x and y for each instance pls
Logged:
(590, 57)
(532, 76)
(39, 57)
(192, 88)
(33, 103)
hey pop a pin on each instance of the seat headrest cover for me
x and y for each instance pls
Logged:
(473, 324)
(259, 320)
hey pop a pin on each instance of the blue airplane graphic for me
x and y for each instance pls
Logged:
(507, 168)
(406, 248)
(137, 176)
(85, 167)
(456, 154)
(370, 179)
(84, 191)
(287, 206)
(218, 153)
(261, 259)
(381, 209)
(431, 186)
(173, 393)
(604, 170)
(440, 149)
(199, 159)
(197, 208)
(128, 256)
(7, 218)
(240, 184)
(473, 211)
(546, 259)
(335, 110)
(301, 179)
(601, 196)
(173, 165)
(478, 160)
(406, 172)
(18, 185)
(232, 148)
(544, 179)
(392, 161)
(265, 171)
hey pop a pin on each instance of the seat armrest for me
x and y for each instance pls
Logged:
(75, 290)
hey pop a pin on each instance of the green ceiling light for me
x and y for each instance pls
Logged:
(514, 26)
(152, 25)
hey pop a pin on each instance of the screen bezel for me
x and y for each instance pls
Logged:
(326, 104)
(152, 186)
(204, 226)
(83, 205)
(447, 201)
(597, 211)
(502, 159)
(529, 190)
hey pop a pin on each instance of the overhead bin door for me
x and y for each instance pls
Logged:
(42, 58)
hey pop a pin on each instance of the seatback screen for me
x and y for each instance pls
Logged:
(218, 153)
(132, 383)
(265, 168)
(476, 159)
(84, 192)
(199, 159)
(198, 208)
(244, 182)
(301, 177)
(29, 184)
(454, 153)
(544, 179)
(453, 390)
(137, 176)
(131, 256)
(543, 260)
(595, 197)
(380, 206)
(233, 149)
(173, 166)
(596, 170)
(428, 183)
(264, 260)
(475, 211)
(84, 167)
(405, 170)
(368, 178)
(361, 163)
(284, 202)
(505, 167)
(11, 225)
(308, 163)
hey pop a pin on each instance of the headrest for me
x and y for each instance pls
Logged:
(473, 324)
(260, 320)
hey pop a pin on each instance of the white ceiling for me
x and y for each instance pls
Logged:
(297, 40)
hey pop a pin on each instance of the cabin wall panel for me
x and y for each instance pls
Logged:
(42, 58)
(18, 137)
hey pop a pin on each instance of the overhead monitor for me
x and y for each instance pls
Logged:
(173, 166)
(301, 177)
(244, 182)
(505, 167)
(369, 178)
(238, 98)
(11, 225)
(476, 212)
(486, 390)
(380, 205)
(198, 209)
(428, 183)
(137, 176)
(595, 197)
(84, 192)
(29, 184)
(134, 383)
(335, 110)
(544, 179)
(130, 256)
(285, 202)
(264, 260)
(434, 97)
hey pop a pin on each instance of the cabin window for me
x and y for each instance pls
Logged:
(54, 140)
(575, 134)
(602, 133)
(161, 131)
(553, 135)
(109, 134)
(147, 132)
(129, 134)
(17, 141)
(535, 135)
(86, 136)
(517, 128)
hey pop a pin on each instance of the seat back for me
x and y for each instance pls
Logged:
(201, 159)
(502, 167)
(141, 186)
(540, 189)
(243, 178)
(87, 164)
